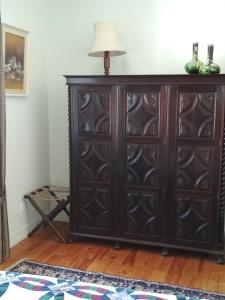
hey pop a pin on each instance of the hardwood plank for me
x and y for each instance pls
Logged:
(180, 268)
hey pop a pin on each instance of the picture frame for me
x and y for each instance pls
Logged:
(15, 52)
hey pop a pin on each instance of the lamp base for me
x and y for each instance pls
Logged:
(106, 62)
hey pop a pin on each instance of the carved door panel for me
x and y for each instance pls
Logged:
(143, 182)
(195, 151)
(93, 133)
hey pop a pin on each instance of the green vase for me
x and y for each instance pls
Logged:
(210, 67)
(192, 67)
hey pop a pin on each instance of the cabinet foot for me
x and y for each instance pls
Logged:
(220, 260)
(164, 252)
(117, 246)
(71, 239)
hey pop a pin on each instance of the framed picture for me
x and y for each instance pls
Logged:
(15, 60)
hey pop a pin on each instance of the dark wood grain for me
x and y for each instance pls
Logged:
(146, 155)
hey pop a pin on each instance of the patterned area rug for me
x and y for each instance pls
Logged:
(32, 267)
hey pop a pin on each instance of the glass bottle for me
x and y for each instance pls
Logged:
(210, 67)
(192, 67)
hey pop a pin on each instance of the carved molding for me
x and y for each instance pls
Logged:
(94, 113)
(196, 114)
(142, 114)
(141, 213)
(95, 207)
(95, 160)
(194, 167)
(222, 197)
(192, 218)
(142, 164)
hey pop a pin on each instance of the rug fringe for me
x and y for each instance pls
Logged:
(108, 276)
(15, 264)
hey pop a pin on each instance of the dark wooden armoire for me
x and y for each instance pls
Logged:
(147, 160)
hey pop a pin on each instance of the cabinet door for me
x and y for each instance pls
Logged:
(143, 162)
(92, 135)
(195, 151)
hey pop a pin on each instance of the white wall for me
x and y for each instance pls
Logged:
(158, 37)
(27, 119)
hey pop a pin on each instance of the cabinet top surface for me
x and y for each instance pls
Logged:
(146, 79)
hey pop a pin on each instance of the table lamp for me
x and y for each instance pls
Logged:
(106, 43)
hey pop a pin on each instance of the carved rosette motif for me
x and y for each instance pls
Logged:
(141, 213)
(142, 164)
(194, 164)
(95, 207)
(192, 218)
(142, 114)
(94, 113)
(95, 161)
(196, 114)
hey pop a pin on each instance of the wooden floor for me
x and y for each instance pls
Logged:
(182, 268)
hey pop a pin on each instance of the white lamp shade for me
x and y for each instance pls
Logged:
(106, 39)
